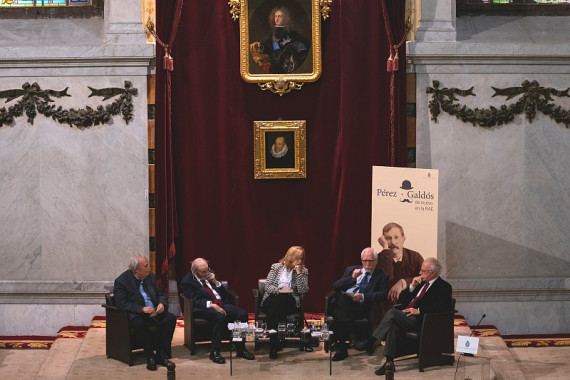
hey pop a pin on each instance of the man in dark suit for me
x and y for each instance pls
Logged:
(357, 289)
(210, 301)
(136, 291)
(428, 293)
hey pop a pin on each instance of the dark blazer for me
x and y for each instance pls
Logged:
(436, 300)
(195, 292)
(128, 296)
(376, 290)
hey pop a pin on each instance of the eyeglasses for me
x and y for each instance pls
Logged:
(425, 270)
(368, 261)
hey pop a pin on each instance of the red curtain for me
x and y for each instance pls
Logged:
(242, 225)
(167, 22)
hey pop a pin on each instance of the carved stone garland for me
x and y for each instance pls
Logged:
(534, 98)
(34, 100)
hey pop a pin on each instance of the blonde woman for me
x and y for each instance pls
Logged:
(287, 279)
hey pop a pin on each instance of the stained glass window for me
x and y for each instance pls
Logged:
(43, 3)
(518, 1)
(514, 7)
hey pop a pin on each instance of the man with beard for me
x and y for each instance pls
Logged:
(279, 155)
(401, 264)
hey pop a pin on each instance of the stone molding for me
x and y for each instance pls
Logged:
(54, 292)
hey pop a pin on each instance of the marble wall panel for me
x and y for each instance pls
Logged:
(512, 318)
(504, 197)
(73, 204)
(20, 242)
(83, 189)
(45, 320)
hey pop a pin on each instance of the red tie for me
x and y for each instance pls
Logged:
(424, 290)
(211, 293)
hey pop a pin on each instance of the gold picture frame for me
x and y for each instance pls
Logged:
(280, 42)
(279, 149)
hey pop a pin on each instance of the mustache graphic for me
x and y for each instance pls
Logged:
(405, 200)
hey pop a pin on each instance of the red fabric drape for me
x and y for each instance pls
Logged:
(166, 217)
(242, 225)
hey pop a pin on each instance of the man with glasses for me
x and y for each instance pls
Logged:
(357, 289)
(137, 292)
(209, 298)
(428, 293)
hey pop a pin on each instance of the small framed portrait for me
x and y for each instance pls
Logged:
(280, 43)
(279, 149)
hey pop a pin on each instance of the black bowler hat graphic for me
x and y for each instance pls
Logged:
(406, 185)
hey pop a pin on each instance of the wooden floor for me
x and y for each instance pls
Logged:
(85, 359)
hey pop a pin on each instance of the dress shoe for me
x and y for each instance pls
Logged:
(150, 364)
(243, 353)
(341, 354)
(388, 366)
(368, 345)
(161, 359)
(216, 357)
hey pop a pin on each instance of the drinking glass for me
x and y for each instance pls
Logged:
(281, 329)
(325, 331)
(290, 329)
(264, 328)
(236, 331)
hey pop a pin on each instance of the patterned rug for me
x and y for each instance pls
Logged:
(45, 342)
(78, 332)
(537, 340)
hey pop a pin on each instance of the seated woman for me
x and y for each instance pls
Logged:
(286, 280)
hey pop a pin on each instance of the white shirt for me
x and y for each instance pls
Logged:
(285, 279)
(208, 303)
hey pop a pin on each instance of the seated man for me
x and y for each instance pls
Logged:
(136, 291)
(209, 298)
(359, 287)
(428, 293)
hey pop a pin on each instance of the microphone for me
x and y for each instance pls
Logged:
(473, 330)
(478, 323)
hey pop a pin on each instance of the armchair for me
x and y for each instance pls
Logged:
(434, 339)
(120, 340)
(260, 315)
(200, 329)
(364, 326)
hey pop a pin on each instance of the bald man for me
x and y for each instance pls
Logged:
(211, 301)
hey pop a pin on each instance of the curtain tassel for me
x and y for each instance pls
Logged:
(168, 61)
(389, 63)
(396, 61)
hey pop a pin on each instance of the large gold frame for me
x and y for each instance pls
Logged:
(280, 83)
(264, 131)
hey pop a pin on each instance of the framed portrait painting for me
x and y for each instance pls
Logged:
(279, 149)
(280, 43)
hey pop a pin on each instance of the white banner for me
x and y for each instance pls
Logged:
(408, 197)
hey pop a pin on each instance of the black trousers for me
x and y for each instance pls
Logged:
(278, 307)
(394, 322)
(155, 333)
(345, 313)
(220, 322)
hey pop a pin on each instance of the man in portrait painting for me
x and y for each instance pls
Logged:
(285, 50)
(278, 154)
